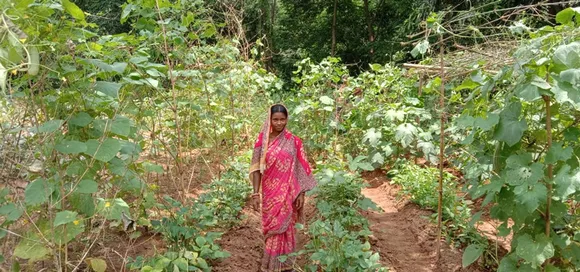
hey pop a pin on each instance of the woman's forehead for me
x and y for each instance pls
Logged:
(278, 115)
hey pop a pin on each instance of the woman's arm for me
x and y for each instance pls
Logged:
(256, 179)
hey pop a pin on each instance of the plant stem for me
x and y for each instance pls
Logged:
(550, 166)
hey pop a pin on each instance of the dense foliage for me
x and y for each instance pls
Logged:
(104, 123)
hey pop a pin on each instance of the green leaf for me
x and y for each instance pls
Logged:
(11, 212)
(373, 136)
(571, 76)
(471, 254)
(405, 133)
(465, 121)
(98, 265)
(108, 88)
(121, 126)
(467, 84)
(200, 241)
(50, 126)
(530, 195)
(71, 147)
(64, 217)
(81, 119)
(37, 192)
(84, 203)
(528, 92)
(378, 158)
(565, 16)
(565, 183)
(510, 129)
(22, 4)
(73, 10)
(326, 100)
(151, 167)
(87, 186)
(420, 48)
(534, 251)
(567, 56)
(113, 209)
(487, 123)
(31, 249)
(393, 115)
(103, 152)
(558, 153)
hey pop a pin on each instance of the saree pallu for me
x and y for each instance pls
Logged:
(286, 174)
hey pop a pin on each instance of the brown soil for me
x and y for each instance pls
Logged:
(245, 242)
(403, 235)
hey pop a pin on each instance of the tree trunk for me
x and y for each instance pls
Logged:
(334, 29)
(369, 26)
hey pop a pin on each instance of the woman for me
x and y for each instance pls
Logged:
(279, 165)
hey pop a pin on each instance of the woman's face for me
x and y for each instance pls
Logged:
(279, 121)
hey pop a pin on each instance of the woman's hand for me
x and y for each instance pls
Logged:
(255, 202)
(299, 203)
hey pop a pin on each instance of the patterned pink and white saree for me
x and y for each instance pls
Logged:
(285, 174)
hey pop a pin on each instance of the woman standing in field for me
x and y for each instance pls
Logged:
(279, 166)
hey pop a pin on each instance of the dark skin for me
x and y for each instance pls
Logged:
(278, 121)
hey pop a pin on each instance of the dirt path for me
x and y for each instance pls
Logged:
(403, 235)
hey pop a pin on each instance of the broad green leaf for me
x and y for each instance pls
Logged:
(98, 265)
(567, 56)
(525, 174)
(535, 250)
(200, 241)
(113, 209)
(37, 192)
(565, 16)
(64, 217)
(487, 123)
(528, 92)
(393, 115)
(69, 231)
(566, 184)
(108, 88)
(81, 119)
(11, 212)
(405, 134)
(121, 126)
(84, 203)
(465, 121)
(420, 48)
(87, 186)
(558, 153)
(50, 126)
(378, 158)
(540, 83)
(571, 76)
(530, 195)
(471, 254)
(74, 10)
(31, 249)
(510, 129)
(373, 136)
(71, 147)
(326, 100)
(103, 152)
(467, 84)
(151, 167)
(22, 4)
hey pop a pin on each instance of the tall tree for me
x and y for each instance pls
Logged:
(369, 25)
(334, 29)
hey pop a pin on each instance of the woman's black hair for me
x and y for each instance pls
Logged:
(278, 108)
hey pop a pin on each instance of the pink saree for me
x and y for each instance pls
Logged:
(285, 174)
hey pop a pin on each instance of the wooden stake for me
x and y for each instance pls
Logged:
(441, 144)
